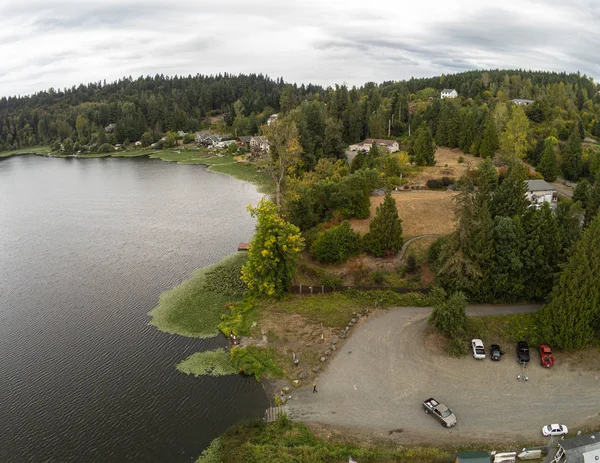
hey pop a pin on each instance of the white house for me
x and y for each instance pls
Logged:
(448, 93)
(390, 145)
(522, 102)
(181, 133)
(272, 118)
(540, 192)
(259, 143)
(200, 136)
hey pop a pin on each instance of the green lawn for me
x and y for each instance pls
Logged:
(30, 150)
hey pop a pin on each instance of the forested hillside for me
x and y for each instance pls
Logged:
(327, 118)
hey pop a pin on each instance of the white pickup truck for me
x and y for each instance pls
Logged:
(440, 412)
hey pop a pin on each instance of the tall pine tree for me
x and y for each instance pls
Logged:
(424, 148)
(548, 165)
(510, 199)
(572, 318)
(571, 157)
(489, 144)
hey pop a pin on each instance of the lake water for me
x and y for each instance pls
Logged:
(86, 248)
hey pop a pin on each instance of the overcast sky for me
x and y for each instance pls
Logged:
(58, 43)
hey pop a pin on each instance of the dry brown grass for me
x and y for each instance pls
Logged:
(447, 165)
(423, 212)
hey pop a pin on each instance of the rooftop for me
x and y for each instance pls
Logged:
(539, 185)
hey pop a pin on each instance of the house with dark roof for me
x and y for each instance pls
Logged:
(448, 93)
(244, 140)
(540, 192)
(259, 143)
(580, 449)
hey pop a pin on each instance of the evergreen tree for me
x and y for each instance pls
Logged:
(424, 148)
(487, 176)
(507, 270)
(582, 192)
(593, 205)
(571, 162)
(572, 318)
(468, 131)
(510, 199)
(548, 165)
(373, 157)
(385, 230)
(489, 143)
(569, 216)
(542, 251)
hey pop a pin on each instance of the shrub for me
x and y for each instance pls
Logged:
(411, 263)
(435, 249)
(225, 278)
(378, 277)
(457, 347)
(336, 244)
(447, 181)
(449, 317)
(435, 183)
(256, 361)
(105, 148)
(461, 159)
(330, 279)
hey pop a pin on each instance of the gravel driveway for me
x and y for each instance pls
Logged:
(379, 378)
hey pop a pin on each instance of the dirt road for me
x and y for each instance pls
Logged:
(381, 375)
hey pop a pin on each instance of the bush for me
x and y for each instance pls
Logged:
(379, 277)
(435, 249)
(435, 183)
(336, 244)
(447, 181)
(457, 347)
(330, 279)
(256, 361)
(225, 277)
(461, 159)
(105, 148)
(411, 263)
(449, 317)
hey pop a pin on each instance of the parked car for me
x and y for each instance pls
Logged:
(478, 349)
(522, 352)
(554, 430)
(546, 357)
(440, 412)
(495, 352)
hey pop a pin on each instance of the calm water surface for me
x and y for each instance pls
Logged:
(86, 248)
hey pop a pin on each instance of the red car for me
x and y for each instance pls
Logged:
(546, 356)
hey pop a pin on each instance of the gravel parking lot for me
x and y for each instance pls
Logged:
(379, 378)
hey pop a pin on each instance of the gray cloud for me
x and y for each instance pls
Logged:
(67, 42)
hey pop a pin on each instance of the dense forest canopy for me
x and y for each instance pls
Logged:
(155, 105)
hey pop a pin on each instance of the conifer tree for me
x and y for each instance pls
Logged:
(541, 253)
(571, 157)
(487, 175)
(572, 318)
(510, 199)
(385, 230)
(424, 148)
(507, 269)
(489, 143)
(593, 205)
(582, 192)
(548, 165)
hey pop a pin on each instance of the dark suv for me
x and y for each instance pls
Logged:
(522, 352)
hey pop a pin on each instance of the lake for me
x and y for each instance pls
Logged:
(86, 248)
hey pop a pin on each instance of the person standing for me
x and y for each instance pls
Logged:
(314, 388)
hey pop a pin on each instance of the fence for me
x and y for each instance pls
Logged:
(310, 290)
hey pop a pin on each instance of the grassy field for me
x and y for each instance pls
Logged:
(422, 213)
(30, 150)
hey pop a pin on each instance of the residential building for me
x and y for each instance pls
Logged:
(390, 145)
(580, 449)
(272, 118)
(110, 128)
(200, 136)
(259, 143)
(448, 93)
(539, 192)
(244, 140)
(522, 102)
(181, 133)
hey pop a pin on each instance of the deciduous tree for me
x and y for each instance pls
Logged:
(273, 252)
(513, 141)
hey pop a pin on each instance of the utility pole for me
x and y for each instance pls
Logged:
(389, 127)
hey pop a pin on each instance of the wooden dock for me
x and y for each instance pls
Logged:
(272, 413)
(243, 246)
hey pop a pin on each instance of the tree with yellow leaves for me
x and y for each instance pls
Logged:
(273, 253)
(283, 154)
